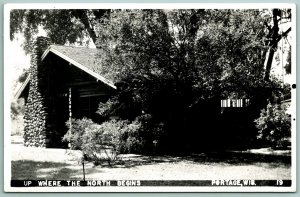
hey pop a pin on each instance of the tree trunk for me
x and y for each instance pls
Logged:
(88, 22)
(275, 38)
(273, 43)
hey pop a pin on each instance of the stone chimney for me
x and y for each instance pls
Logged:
(35, 117)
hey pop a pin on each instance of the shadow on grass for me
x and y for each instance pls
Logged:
(35, 170)
(239, 158)
(216, 158)
(28, 169)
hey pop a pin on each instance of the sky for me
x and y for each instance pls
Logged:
(15, 60)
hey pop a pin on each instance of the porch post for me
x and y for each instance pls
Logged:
(70, 113)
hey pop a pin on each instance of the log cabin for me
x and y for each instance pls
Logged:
(62, 84)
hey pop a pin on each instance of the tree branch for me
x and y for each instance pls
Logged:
(268, 26)
(284, 34)
(83, 17)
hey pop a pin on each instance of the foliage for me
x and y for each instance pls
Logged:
(110, 138)
(127, 103)
(149, 135)
(108, 108)
(185, 55)
(61, 25)
(179, 38)
(17, 108)
(76, 131)
(166, 62)
(23, 76)
(114, 137)
(203, 53)
(93, 145)
(288, 66)
(143, 135)
(274, 124)
(219, 53)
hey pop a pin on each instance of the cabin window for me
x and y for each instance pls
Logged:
(235, 102)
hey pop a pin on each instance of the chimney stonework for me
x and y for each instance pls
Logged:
(35, 118)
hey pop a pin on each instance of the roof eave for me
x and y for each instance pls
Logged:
(78, 65)
(20, 91)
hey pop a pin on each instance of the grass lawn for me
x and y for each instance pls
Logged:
(37, 163)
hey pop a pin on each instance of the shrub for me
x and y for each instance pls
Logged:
(105, 141)
(131, 139)
(111, 138)
(107, 138)
(274, 125)
(74, 136)
(153, 128)
(107, 108)
(92, 145)
(144, 135)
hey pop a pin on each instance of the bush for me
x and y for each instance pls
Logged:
(274, 125)
(108, 108)
(74, 136)
(131, 139)
(150, 134)
(109, 138)
(92, 142)
(112, 137)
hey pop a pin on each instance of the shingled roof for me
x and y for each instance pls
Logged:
(81, 57)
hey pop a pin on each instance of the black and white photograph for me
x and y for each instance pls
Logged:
(150, 97)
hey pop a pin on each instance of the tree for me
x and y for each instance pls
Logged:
(70, 26)
(168, 62)
(61, 25)
(222, 51)
(273, 37)
(274, 125)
